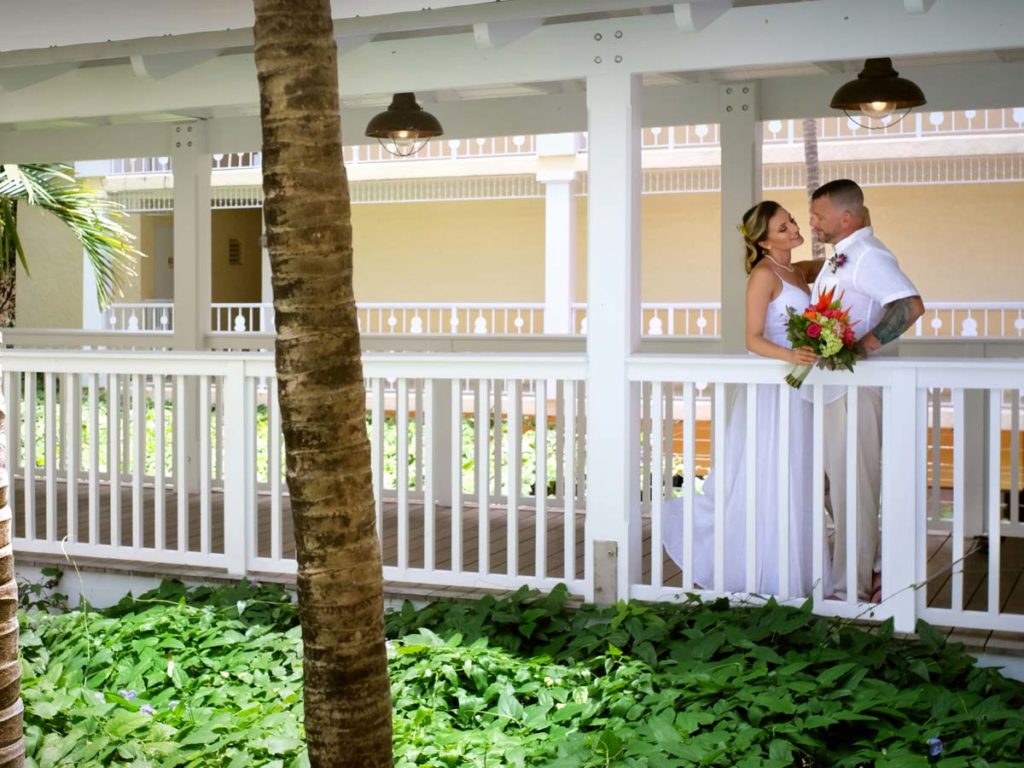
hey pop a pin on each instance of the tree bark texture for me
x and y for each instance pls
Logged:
(813, 173)
(12, 742)
(8, 281)
(319, 369)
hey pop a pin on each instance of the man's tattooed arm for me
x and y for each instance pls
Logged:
(896, 318)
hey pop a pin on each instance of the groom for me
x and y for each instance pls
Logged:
(883, 303)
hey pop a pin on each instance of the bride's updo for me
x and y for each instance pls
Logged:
(754, 228)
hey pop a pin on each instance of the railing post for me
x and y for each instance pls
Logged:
(239, 467)
(613, 534)
(741, 137)
(975, 442)
(439, 426)
(900, 510)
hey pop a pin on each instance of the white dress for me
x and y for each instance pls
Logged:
(766, 573)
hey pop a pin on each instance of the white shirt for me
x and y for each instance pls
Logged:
(869, 279)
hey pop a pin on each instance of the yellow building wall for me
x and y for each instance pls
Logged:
(957, 242)
(50, 294)
(236, 282)
(476, 250)
(146, 233)
(493, 250)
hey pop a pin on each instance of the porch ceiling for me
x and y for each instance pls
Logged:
(87, 77)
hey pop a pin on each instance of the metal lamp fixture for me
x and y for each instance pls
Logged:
(404, 128)
(877, 93)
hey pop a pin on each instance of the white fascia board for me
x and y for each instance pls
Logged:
(555, 52)
(967, 86)
(42, 24)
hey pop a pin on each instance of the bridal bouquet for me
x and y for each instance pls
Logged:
(825, 327)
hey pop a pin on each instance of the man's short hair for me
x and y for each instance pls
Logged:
(843, 193)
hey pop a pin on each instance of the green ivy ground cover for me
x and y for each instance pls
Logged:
(213, 678)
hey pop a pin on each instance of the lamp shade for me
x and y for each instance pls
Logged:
(404, 127)
(877, 92)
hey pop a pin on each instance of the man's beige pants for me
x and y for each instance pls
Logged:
(869, 485)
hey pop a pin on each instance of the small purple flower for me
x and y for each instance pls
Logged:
(147, 710)
(934, 747)
(127, 695)
(172, 703)
(836, 260)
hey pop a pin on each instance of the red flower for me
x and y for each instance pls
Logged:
(848, 337)
(813, 330)
(825, 300)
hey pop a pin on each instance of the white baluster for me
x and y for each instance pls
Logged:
(480, 325)
(239, 324)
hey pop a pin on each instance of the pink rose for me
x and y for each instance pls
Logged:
(813, 331)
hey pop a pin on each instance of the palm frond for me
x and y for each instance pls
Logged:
(91, 218)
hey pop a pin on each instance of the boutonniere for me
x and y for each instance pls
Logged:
(836, 260)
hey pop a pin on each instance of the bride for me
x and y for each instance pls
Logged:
(774, 283)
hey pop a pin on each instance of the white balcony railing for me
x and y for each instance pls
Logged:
(942, 319)
(830, 129)
(155, 457)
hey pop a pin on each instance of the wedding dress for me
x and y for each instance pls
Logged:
(766, 573)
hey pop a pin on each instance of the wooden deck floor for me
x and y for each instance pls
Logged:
(938, 589)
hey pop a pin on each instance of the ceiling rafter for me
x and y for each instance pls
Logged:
(498, 34)
(161, 65)
(695, 15)
(18, 79)
(918, 6)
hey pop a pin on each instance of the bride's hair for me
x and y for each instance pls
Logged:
(754, 228)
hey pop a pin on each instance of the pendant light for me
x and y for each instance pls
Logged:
(878, 93)
(404, 128)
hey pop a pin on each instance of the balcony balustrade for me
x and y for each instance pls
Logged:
(942, 320)
(149, 459)
(970, 122)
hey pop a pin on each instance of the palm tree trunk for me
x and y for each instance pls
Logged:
(309, 234)
(813, 168)
(12, 743)
(8, 276)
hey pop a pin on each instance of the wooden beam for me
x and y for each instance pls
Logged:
(161, 65)
(695, 15)
(498, 34)
(918, 6)
(18, 79)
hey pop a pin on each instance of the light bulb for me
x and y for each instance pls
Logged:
(877, 109)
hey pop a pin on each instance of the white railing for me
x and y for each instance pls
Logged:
(236, 317)
(963, 319)
(139, 317)
(942, 319)
(956, 428)
(914, 126)
(456, 318)
(446, 149)
(98, 475)
(229, 161)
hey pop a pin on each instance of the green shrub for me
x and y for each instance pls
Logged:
(212, 677)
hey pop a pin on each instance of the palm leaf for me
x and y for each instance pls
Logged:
(91, 218)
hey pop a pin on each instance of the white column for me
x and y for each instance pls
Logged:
(613, 333)
(556, 153)
(266, 283)
(192, 203)
(92, 315)
(740, 134)
(559, 250)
